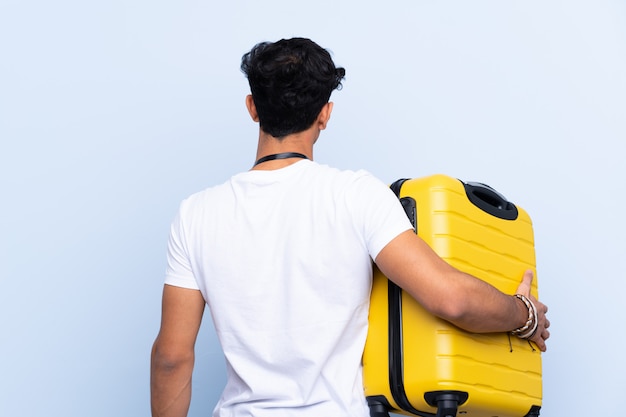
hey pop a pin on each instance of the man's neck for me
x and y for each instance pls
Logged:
(297, 143)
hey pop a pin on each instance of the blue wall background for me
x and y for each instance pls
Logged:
(111, 112)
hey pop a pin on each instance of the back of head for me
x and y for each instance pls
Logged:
(290, 80)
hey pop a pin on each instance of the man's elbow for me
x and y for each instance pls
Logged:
(167, 359)
(459, 312)
(451, 311)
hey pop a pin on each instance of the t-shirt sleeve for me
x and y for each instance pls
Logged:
(179, 272)
(383, 216)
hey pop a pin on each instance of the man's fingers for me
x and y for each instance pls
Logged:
(540, 339)
(540, 344)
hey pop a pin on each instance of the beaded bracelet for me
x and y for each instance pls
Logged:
(529, 329)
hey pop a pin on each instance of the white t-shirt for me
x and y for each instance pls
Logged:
(283, 259)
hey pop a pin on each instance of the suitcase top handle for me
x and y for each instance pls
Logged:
(489, 200)
(482, 196)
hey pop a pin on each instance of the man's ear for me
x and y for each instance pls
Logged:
(324, 116)
(252, 108)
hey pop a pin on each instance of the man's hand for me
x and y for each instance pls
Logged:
(542, 333)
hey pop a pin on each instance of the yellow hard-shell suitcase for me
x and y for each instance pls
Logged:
(417, 364)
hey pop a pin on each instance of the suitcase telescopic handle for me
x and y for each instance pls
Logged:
(489, 200)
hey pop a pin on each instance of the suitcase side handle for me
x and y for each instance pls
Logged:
(489, 200)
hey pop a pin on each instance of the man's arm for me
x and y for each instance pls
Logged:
(452, 295)
(173, 352)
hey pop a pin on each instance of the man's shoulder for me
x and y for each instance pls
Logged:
(210, 193)
(358, 186)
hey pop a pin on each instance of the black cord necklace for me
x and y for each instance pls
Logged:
(283, 155)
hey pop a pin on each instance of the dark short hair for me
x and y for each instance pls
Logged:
(290, 81)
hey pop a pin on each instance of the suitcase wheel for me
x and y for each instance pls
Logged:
(447, 402)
